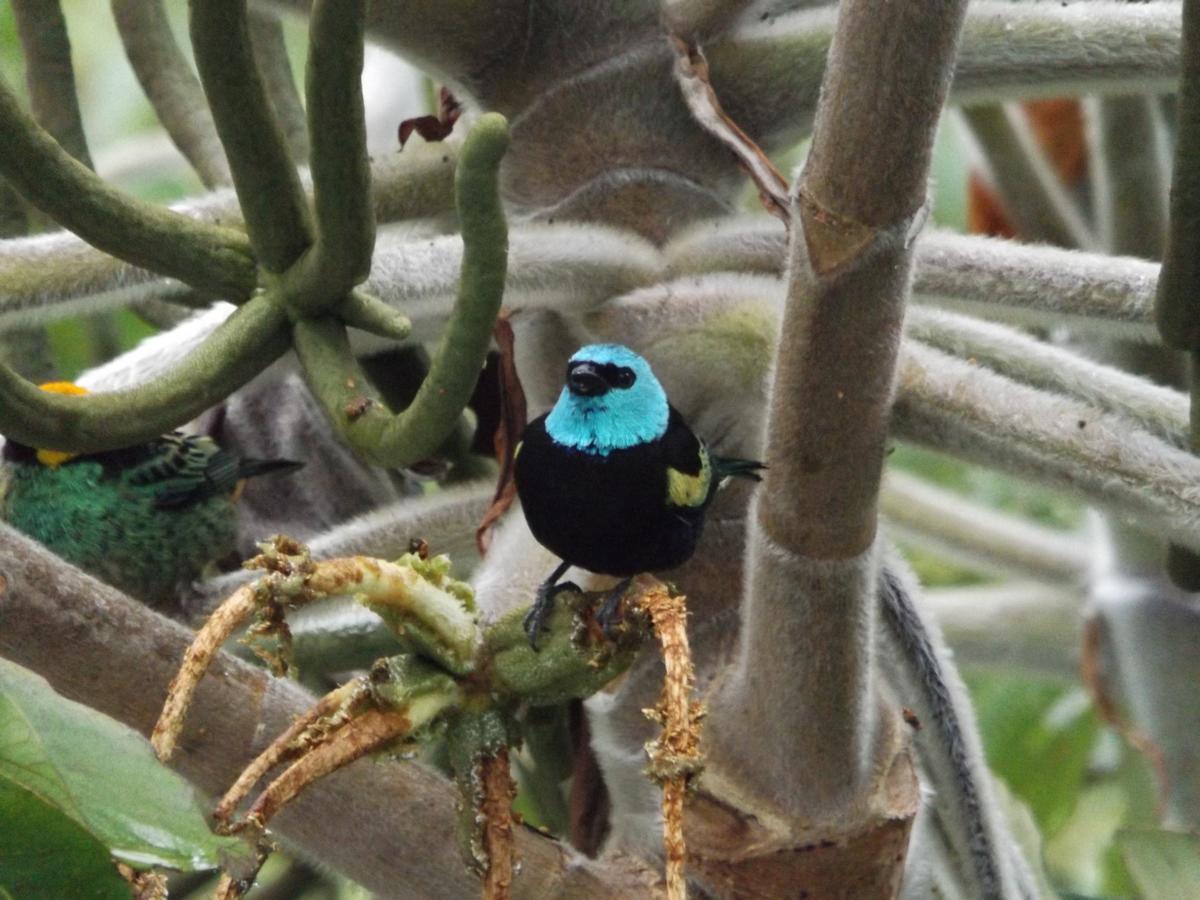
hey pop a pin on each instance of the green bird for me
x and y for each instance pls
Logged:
(146, 519)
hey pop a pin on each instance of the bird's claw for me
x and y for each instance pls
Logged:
(543, 604)
(607, 618)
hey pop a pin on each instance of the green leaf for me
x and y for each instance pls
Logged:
(45, 853)
(1164, 865)
(1081, 855)
(1038, 735)
(104, 776)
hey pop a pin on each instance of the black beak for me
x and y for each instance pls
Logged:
(584, 379)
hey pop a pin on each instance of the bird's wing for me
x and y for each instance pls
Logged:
(689, 467)
(176, 469)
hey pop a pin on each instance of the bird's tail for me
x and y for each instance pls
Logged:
(728, 467)
(249, 468)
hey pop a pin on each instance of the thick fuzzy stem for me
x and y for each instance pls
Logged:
(1177, 310)
(812, 571)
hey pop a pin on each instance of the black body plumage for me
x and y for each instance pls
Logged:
(609, 514)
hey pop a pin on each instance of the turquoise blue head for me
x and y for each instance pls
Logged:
(611, 401)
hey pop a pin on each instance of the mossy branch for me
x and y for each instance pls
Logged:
(244, 344)
(205, 256)
(334, 376)
(268, 186)
(171, 86)
(49, 74)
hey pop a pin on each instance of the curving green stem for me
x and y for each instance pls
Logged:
(341, 168)
(267, 184)
(49, 75)
(245, 344)
(334, 376)
(270, 50)
(171, 86)
(372, 315)
(208, 257)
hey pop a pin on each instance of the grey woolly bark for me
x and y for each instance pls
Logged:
(1041, 625)
(979, 536)
(809, 611)
(964, 409)
(383, 824)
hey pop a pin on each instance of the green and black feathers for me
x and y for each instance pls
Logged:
(145, 519)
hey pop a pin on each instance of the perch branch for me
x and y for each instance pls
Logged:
(171, 86)
(87, 639)
(268, 187)
(49, 75)
(205, 256)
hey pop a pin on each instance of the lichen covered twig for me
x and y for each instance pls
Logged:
(675, 757)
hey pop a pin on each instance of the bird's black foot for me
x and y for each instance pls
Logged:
(607, 617)
(543, 605)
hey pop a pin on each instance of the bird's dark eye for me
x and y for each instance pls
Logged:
(625, 377)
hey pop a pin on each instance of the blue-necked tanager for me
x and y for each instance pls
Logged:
(612, 479)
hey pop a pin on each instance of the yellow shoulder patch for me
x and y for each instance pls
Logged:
(517, 450)
(689, 490)
(55, 458)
